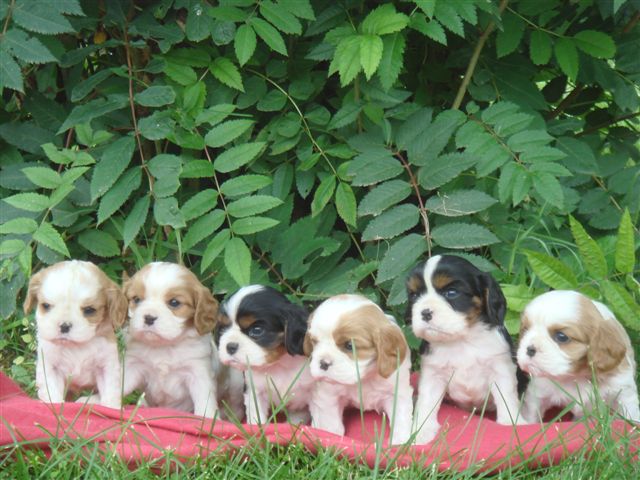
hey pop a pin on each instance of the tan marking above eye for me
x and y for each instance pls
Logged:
(246, 321)
(441, 281)
(415, 284)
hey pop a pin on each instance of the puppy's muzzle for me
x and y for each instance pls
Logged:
(324, 365)
(149, 319)
(426, 314)
(531, 350)
(65, 327)
(232, 348)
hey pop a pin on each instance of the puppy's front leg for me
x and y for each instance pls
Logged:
(256, 406)
(531, 412)
(402, 417)
(50, 382)
(504, 391)
(326, 410)
(431, 390)
(203, 394)
(110, 381)
(628, 405)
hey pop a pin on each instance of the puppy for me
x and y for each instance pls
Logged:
(566, 340)
(467, 353)
(359, 357)
(261, 333)
(78, 308)
(169, 348)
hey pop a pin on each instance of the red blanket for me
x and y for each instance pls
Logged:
(145, 433)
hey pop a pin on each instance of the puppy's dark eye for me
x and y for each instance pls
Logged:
(348, 346)
(136, 300)
(173, 303)
(413, 295)
(45, 306)
(451, 293)
(256, 331)
(88, 311)
(561, 337)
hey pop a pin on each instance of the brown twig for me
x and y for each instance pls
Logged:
(609, 123)
(6, 20)
(566, 101)
(281, 280)
(474, 59)
(632, 23)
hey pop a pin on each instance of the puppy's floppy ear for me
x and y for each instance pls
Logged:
(32, 291)
(307, 345)
(494, 301)
(391, 348)
(206, 315)
(117, 304)
(607, 346)
(295, 328)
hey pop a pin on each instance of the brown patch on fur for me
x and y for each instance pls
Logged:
(473, 315)
(441, 280)
(309, 341)
(372, 336)
(246, 321)
(415, 283)
(525, 324)
(274, 353)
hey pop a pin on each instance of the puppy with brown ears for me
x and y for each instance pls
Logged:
(359, 357)
(566, 341)
(77, 309)
(169, 350)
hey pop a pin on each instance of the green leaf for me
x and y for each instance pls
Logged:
(391, 223)
(540, 47)
(345, 115)
(114, 160)
(252, 205)
(237, 259)
(427, 6)
(443, 169)
(244, 43)
(99, 243)
(249, 225)
(431, 29)
(551, 271)
(594, 43)
(346, 203)
(214, 248)
(238, 186)
(11, 246)
(400, 257)
(622, 303)
(384, 20)
(625, 258)
(374, 166)
(85, 87)
(323, 194)
(227, 73)
(197, 169)
(202, 228)
(370, 54)
(227, 132)
(300, 8)
(19, 226)
(198, 26)
(392, 59)
(166, 169)
(135, 220)
(200, 204)
(384, 196)
(182, 74)
(237, 156)
(10, 74)
(446, 14)
(42, 19)
(347, 58)
(31, 202)
(167, 212)
(50, 238)
(43, 177)
(157, 126)
(155, 96)
(269, 35)
(509, 37)
(463, 235)
(590, 252)
(567, 57)
(119, 193)
(93, 109)
(459, 203)
(280, 17)
(549, 188)
(431, 142)
(528, 139)
(215, 114)
(26, 48)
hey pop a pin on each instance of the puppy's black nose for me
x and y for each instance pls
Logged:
(426, 315)
(531, 350)
(324, 365)
(149, 319)
(232, 348)
(65, 327)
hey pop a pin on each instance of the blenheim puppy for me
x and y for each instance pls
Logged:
(261, 333)
(467, 353)
(567, 340)
(77, 309)
(169, 353)
(360, 358)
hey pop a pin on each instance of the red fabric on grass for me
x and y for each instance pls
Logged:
(140, 434)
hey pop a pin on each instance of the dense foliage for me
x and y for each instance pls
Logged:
(322, 146)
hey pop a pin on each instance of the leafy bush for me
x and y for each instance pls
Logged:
(321, 146)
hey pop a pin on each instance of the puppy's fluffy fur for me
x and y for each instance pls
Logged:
(359, 357)
(261, 333)
(566, 340)
(77, 309)
(467, 353)
(169, 353)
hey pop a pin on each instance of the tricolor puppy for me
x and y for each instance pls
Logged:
(360, 358)
(261, 333)
(169, 352)
(467, 353)
(567, 340)
(77, 309)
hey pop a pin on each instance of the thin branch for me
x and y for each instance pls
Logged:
(632, 23)
(6, 20)
(474, 59)
(566, 102)
(609, 123)
(215, 179)
(281, 280)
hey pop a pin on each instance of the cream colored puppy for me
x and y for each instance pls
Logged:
(77, 309)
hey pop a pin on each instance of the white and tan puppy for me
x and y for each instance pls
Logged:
(360, 358)
(77, 309)
(169, 347)
(566, 341)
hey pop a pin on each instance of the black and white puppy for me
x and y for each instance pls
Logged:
(467, 353)
(262, 333)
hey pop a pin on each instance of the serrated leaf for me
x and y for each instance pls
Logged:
(214, 248)
(31, 202)
(280, 17)
(431, 29)
(549, 188)
(427, 146)
(215, 114)
(167, 212)
(567, 57)
(446, 14)
(135, 220)
(224, 70)
(198, 25)
(594, 43)
(237, 156)
(43, 177)
(400, 257)
(227, 132)
(345, 115)
(166, 169)
(463, 235)
(509, 37)
(269, 35)
(540, 47)
(392, 59)
(590, 252)
(252, 205)
(26, 48)
(237, 259)
(391, 223)
(347, 58)
(528, 139)
(119, 193)
(443, 169)
(235, 187)
(50, 238)
(43, 19)
(427, 6)
(300, 8)
(370, 54)
(625, 258)
(384, 196)
(323, 194)
(99, 243)
(85, 87)
(93, 109)
(202, 228)
(19, 226)
(157, 126)
(250, 225)
(10, 74)
(551, 271)
(384, 20)
(622, 304)
(244, 43)
(182, 74)
(155, 96)
(374, 166)
(346, 203)
(459, 203)
(11, 246)
(114, 160)
(71, 7)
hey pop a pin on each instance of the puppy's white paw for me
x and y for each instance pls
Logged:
(89, 399)
(427, 433)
